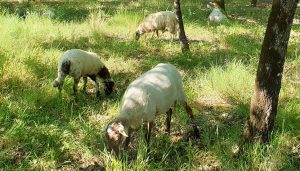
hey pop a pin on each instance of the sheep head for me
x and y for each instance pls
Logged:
(137, 35)
(115, 134)
(109, 86)
(56, 83)
(139, 31)
(59, 81)
(210, 5)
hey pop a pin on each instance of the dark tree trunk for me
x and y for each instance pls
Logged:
(182, 37)
(221, 3)
(253, 3)
(264, 102)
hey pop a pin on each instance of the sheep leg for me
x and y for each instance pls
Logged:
(171, 41)
(152, 35)
(191, 115)
(168, 121)
(148, 134)
(157, 33)
(84, 84)
(59, 90)
(75, 86)
(59, 82)
(94, 78)
(127, 140)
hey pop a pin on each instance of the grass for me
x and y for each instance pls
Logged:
(40, 131)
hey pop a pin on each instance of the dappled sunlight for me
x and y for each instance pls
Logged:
(206, 161)
(40, 130)
(212, 100)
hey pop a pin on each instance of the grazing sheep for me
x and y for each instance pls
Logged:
(164, 20)
(47, 13)
(154, 92)
(216, 16)
(78, 63)
(22, 13)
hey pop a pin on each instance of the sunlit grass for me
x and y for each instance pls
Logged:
(40, 131)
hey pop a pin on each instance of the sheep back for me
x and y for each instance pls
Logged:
(82, 63)
(152, 93)
(216, 16)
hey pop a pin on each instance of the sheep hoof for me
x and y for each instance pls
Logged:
(196, 132)
(167, 131)
(76, 98)
(59, 94)
(84, 91)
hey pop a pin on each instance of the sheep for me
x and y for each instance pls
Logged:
(47, 13)
(152, 93)
(216, 16)
(22, 13)
(164, 20)
(79, 63)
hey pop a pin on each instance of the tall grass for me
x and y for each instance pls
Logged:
(40, 131)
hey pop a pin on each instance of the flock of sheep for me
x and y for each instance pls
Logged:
(154, 92)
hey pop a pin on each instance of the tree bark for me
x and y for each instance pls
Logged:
(264, 102)
(221, 3)
(253, 3)
(182, 37)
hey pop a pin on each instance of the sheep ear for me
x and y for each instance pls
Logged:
(123, 133)
(122, 130)
(104, 129)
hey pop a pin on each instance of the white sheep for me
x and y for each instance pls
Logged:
(154, 92)
(216, 16)
(164, 20)
(79, 63)
(47, 13)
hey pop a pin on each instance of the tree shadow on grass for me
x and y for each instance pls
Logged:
(150, 55)
(172, 154)
(63, 10)
(79, 11)
(97, 43)
(35, 121)
(66, 44)
(40, 70)
(243, 45)
(288, 116)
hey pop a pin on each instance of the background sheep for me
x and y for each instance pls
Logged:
(216, 16)
(153, 93)
(47, 13)
(78, 63)
(164, 20)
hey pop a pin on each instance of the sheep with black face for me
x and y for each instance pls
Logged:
(79, 63)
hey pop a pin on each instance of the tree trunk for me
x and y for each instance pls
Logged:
(264, 102)
(221, 4)
(182, 37)
(253, 3)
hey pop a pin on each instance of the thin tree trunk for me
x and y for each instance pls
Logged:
(182, 37)
(253, 3)
(221, 3)
(264, 102)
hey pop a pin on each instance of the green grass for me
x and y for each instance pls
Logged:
(40, 131)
